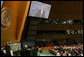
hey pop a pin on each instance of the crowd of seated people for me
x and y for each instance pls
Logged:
(61, 49)
(66, 47)
(68, 50)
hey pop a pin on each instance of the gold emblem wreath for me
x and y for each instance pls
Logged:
(5, 17)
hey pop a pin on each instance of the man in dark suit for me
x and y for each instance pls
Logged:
(7, 48)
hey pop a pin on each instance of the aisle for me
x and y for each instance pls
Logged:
(45, 53)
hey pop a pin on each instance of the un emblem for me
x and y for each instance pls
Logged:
(5, 17)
